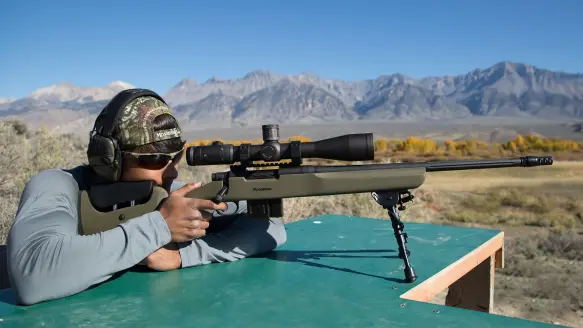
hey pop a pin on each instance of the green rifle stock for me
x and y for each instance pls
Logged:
(264, 189)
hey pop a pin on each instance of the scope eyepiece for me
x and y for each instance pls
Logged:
(210, 155)
(350, 147)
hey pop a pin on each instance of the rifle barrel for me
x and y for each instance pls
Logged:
(436, 166)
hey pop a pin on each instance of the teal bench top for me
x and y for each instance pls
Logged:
(334, 271)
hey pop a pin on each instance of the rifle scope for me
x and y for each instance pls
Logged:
(349, 147)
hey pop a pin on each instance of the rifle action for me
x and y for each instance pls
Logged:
(264, 189)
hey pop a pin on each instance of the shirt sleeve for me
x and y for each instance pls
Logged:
(234, 236)
(49, 259)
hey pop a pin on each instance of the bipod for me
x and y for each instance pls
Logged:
(389, 201)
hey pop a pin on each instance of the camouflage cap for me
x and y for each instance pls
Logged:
(135, 125)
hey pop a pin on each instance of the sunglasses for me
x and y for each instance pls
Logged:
(156, 160)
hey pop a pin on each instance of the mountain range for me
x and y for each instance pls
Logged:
(506, 89)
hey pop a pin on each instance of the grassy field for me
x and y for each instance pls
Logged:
(539, 209)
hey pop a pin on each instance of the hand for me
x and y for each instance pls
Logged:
(186, 217)
(164, 259)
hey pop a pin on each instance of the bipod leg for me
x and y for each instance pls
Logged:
(389, 201)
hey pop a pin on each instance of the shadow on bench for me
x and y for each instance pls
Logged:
(4, 283)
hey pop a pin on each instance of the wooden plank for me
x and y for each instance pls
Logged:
(452, 273)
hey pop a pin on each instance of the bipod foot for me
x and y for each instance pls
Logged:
(389, 200)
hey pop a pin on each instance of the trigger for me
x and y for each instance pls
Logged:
(219, 197)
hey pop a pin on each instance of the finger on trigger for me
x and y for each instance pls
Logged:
(215, 206)
(205, 204)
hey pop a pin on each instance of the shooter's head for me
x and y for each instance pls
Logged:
(145, 138)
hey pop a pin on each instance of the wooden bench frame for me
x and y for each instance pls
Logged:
(470, 280)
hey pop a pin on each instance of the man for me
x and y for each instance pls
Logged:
(49, 259)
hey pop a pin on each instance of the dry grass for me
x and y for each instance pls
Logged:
(25, 153)
(518, 206)
(541, 281)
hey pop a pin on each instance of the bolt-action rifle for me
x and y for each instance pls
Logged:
(102, 206)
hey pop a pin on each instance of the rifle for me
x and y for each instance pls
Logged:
(101, 206)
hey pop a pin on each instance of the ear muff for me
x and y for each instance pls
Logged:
(103, 153)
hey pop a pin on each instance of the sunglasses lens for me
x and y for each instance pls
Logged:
(153, 160)
(158, 160)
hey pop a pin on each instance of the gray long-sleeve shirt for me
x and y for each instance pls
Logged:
(49, 259)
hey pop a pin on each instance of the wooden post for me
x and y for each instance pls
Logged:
(472, 276)
(475, 290)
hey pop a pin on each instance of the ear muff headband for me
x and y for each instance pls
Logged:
(103, 153)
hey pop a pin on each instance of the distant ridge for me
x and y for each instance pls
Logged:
(506, 89)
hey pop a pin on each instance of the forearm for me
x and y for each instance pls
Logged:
(164, 259)
(48, 259)
(49, 265)
(245, 237)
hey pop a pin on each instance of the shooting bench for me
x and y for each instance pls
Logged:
(334, 271)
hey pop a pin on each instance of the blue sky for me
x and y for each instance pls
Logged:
(155, 44)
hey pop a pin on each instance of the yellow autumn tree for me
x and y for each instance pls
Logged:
(450, 145)
(535, 143)
(417, 145)
(428, 146)
(380, 145)
(520, 143)
(298, 138)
